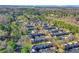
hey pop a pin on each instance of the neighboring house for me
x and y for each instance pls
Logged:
(3, 19)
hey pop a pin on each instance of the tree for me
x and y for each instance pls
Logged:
(11, 45)
(70, 27)
(26, 49)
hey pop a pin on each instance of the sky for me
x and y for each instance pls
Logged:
(39, 2)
